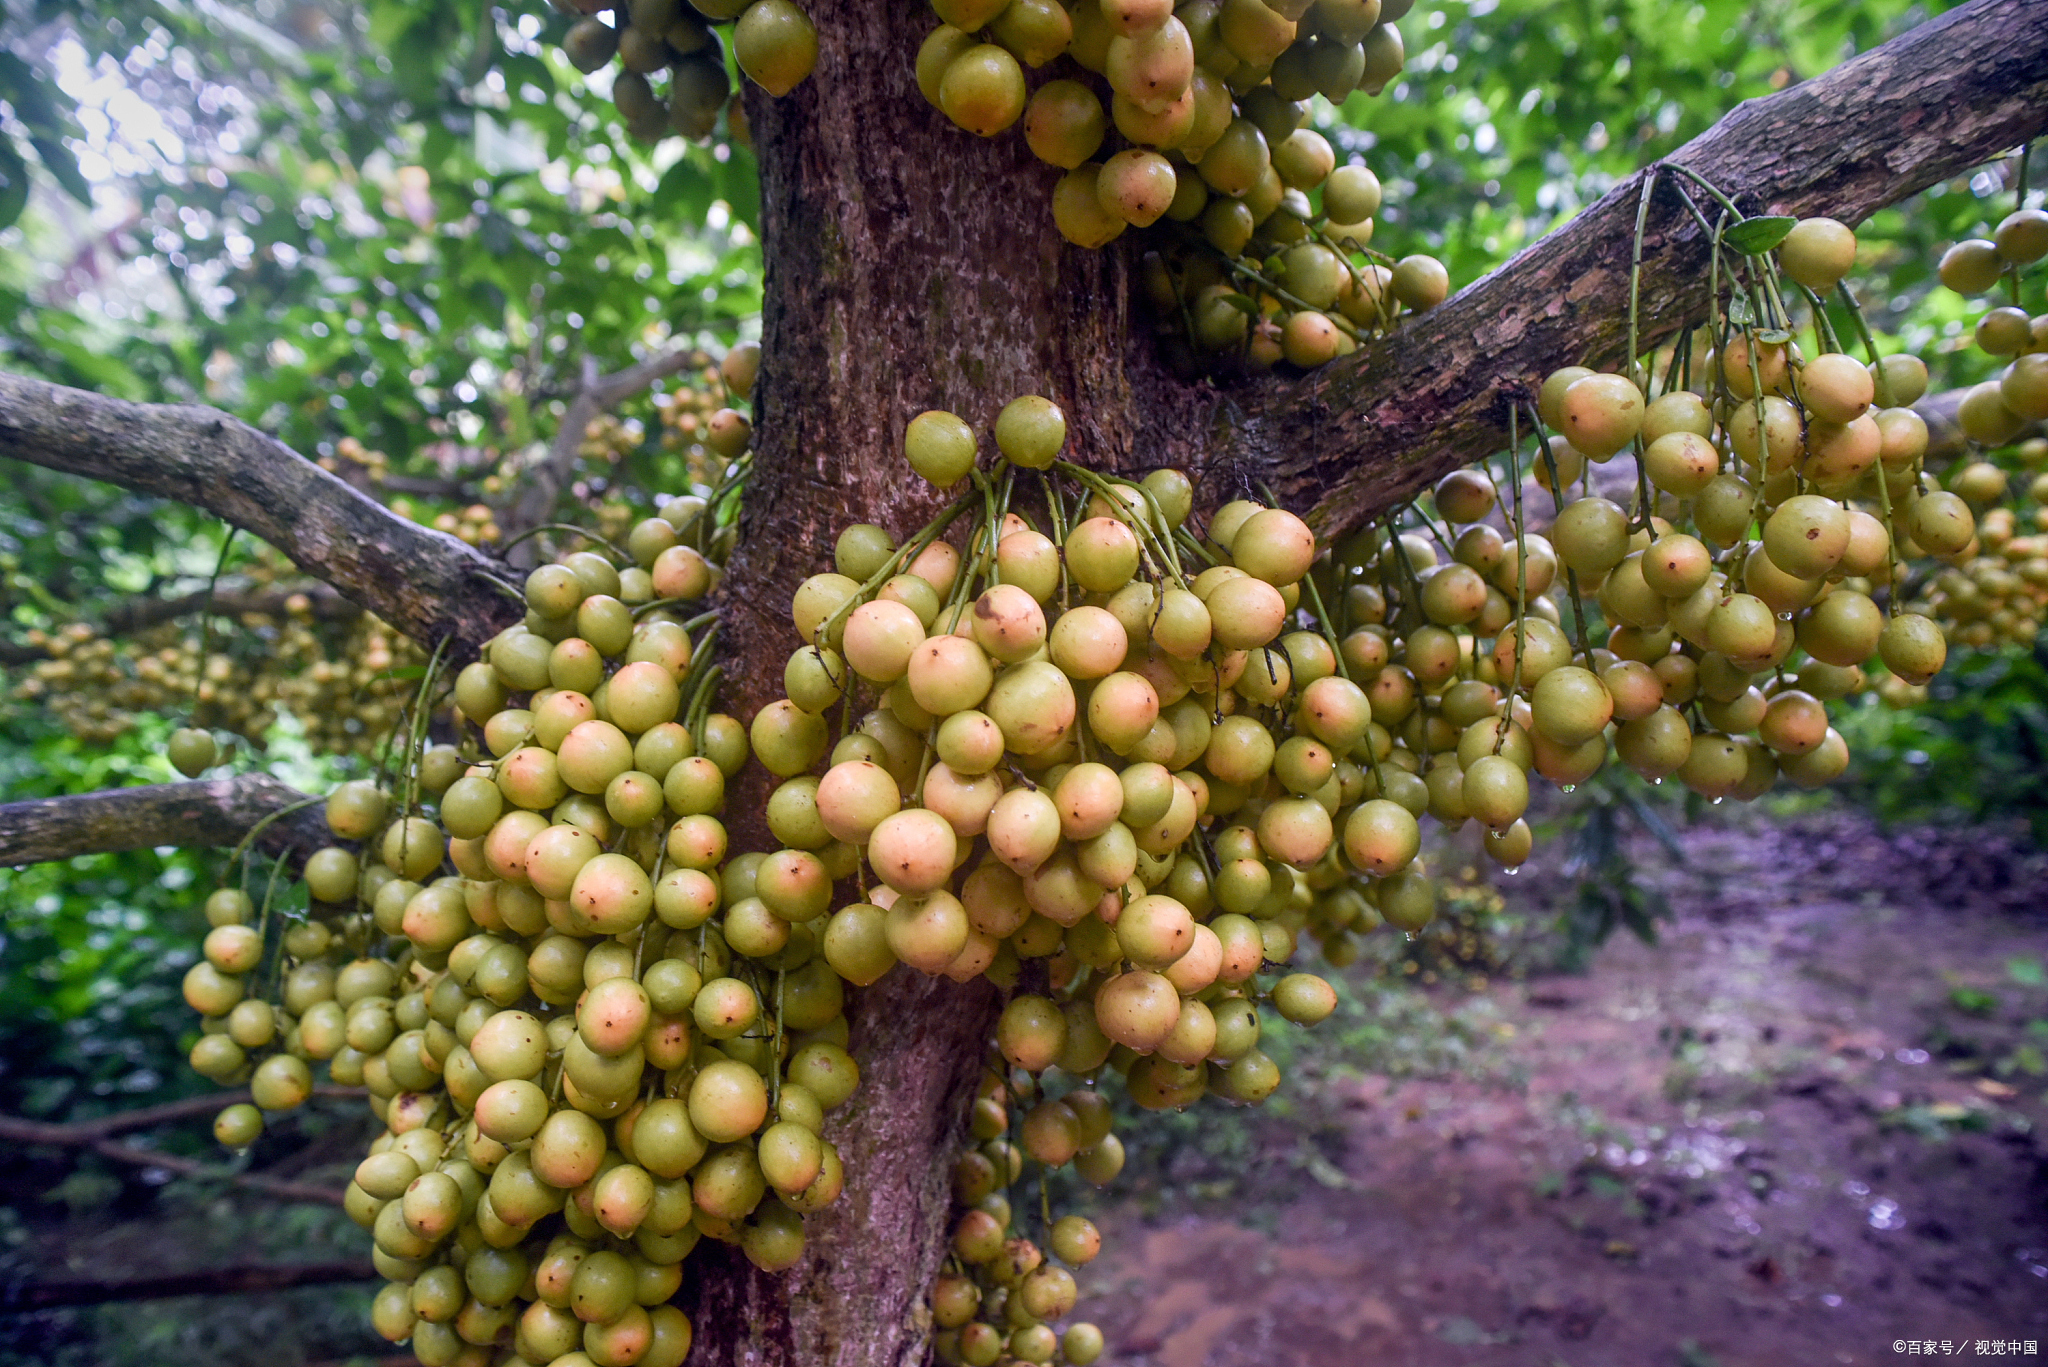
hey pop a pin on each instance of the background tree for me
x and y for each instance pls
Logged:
(896, 281)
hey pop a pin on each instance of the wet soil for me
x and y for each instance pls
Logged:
(1806, 1127)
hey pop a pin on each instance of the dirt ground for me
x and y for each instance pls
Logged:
(1805, 1128)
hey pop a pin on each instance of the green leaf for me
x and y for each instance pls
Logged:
(1755, 236)
(13, 182)
(685, 192)
(59, 162)
(1774, 336)
(1241, 303)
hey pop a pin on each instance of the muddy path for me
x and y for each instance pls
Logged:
(1804, 1128)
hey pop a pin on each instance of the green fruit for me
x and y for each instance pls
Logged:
(982, 91)
(940, 446)
(1064, 123)
(192, 751)
(776, 44)
(1030, 431)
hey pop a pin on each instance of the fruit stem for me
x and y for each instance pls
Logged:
(1635, 274)
(1823, 326)
(901, 556)
(1521, 531)
(1147, 539)
(1315, 607)
(265, 824)
(583, 532)
(1884, 384)
(775, 1074)
(1340, 322)
(1187, 542)
(416, 737)
(1571, 576)
(1681, 352)
(1709, 187)
(708, 521)
(220, 564)
(2012, 269)
(700, 701)
(269, 890)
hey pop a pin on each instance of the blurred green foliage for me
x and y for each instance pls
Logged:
(1975, 750)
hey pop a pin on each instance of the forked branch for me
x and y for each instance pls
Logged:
(1365, 434)
(425, 583)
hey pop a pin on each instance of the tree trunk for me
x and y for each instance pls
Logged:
(912, 266)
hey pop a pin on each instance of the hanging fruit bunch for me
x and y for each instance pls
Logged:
(1999, 596)
(1263, 240)
(259, 651)
(577, 1075)
(671, 77)
(1692, 616)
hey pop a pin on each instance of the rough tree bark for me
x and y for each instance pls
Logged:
(426, 583)
(210, 812)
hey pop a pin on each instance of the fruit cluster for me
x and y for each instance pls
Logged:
(551, 1029)
(1208, 100)
(333, 677)
(1743, 588)
(1999, 597)
(773, 41)
(1068, 738)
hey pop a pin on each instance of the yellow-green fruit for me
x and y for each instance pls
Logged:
(776, 44)
(192, 751)
(940, 47)
(940, 446)
(1421, 282)
(1064, 123)
(1971, 267)
(1817, 253)
(1807, 536)
(1600, 414)
(238, 1126)
(983, 90)
(1035, 30)
(1237, 160)
(1253, 32)
(1030, 431)
(1136, 185)
(1077, 210)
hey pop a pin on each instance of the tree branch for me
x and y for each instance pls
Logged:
(1364, 434)
(84, 1133)
(425, 583)
(216, 811)
(1946, 443)
(219, 1281)
(136, 1156)
(596, 394)
(140, 614)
